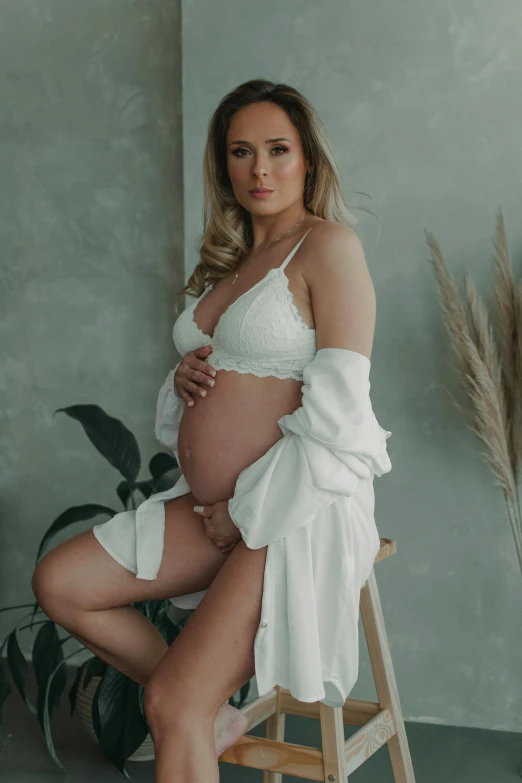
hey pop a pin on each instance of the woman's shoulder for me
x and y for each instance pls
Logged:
(325, 230)
(326, 238)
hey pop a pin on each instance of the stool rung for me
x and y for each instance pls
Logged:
(356, 712)
(372, 736)
(300, 761)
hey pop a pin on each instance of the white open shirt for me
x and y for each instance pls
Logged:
(310, 500)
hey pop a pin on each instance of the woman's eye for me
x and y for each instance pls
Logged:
(244, 149)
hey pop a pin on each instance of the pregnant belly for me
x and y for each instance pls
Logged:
(233, 426)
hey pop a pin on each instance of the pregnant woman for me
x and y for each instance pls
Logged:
(269, 532)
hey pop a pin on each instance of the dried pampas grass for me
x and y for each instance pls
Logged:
(490, 368)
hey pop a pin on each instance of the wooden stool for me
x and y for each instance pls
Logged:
(381, 722)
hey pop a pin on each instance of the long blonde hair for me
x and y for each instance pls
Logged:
(227, 231)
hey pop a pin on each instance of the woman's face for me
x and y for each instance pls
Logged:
(264, 150)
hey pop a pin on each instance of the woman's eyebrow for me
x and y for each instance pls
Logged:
(268, 141)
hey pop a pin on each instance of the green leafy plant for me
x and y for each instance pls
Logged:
(118, 715)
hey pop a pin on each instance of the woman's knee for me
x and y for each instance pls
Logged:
(55, 580)
(165, 708)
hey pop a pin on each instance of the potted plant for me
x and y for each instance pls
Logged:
(108, 703)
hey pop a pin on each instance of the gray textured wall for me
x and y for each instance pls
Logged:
(91, 251)
(419, 101)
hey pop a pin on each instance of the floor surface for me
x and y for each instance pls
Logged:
(440, 754)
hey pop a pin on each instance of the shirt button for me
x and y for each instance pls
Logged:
(263, 625)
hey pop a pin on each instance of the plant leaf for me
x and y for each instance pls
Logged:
(243, 693)
(167, 627)
(149, 608)
(94, 667)
(50, 689)
(69, 517)
(162, 484)
(124, 490)
(110, 437)
(73, 691)
(156, 608)
(121, 724)
(18, 668)
(17, 606)
(145, 487)
(36, 608)
(5, 690)
(17, 663)
(161, 463)
(47, 654)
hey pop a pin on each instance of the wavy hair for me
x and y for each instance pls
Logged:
(228, 231)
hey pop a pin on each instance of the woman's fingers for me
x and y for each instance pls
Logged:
(204, 372)
(195, 389)
(188, 389)
(192, 376)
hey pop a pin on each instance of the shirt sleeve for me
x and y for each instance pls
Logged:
(329, 444)
(169, 410)
(173, 387)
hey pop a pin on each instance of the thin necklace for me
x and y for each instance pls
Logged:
(271, 243)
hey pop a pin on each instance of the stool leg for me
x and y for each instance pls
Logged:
(275, 730)
(384, 678)
(332, 741)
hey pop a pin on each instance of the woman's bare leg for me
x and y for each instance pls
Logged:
(186, 755)
(82, 588)
(153, 651)
(215, 652)
(229, 724)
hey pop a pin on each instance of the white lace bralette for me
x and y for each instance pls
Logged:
(261, 333)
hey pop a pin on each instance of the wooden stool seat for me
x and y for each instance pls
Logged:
(381, 722)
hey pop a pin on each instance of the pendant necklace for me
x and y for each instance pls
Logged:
(258, 250)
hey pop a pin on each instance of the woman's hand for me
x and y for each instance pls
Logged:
(193, 374)
(219, 525)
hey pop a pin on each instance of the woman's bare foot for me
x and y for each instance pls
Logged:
(229, 725)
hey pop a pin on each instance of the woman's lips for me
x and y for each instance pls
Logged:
(263, 194)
